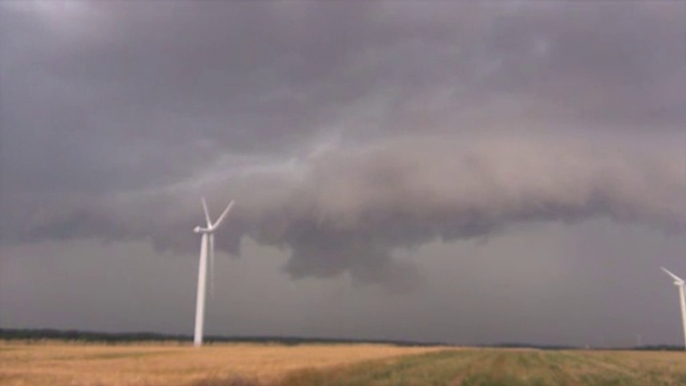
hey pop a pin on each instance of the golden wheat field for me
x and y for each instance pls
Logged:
(55, 363)
(64, 364)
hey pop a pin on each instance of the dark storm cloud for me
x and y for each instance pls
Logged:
(350, 209)
(345, 131)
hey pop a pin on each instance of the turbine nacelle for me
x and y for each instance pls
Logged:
(201, 230)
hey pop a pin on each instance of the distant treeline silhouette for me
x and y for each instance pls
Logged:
(663, 347)
(126, 337)
(123, 337)
(532, 346)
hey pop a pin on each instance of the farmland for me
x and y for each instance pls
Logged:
(329, 365)
(57, 363)
(505, 367)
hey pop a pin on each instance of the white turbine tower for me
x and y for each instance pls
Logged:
(206, 247)
(679, 282)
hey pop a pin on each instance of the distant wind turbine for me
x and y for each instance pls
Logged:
(679, 282)
(206, 246)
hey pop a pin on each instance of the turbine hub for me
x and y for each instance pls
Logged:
(199, 229)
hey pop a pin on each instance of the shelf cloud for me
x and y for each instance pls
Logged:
(346, 132)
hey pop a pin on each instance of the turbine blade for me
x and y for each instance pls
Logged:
(675, 277)
(211, 248)
(207, 213)
(221, 218)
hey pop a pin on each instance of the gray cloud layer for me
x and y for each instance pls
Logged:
(344, 131)
(349, 209)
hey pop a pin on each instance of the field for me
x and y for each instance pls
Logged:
(168, 364)
(329, 365)
(503, 367)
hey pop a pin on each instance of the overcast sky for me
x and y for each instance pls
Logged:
(466, 172)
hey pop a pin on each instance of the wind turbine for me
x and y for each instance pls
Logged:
(679, 282)
(206, 247)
